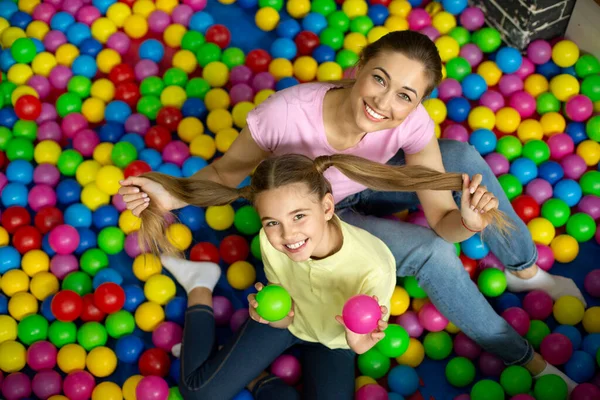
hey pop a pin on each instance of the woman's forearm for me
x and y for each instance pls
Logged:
(451, 229)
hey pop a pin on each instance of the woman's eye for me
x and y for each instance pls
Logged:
(405, 97)
(379, 79)
(298, 216)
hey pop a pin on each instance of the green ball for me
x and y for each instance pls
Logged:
(461, 35)
(361, 24)
(590, 183)
(547, 102)
(460, 372)
(556, 211)
(174, 394)
(175, 77)
(23, 50)
(149, 106)
(192, 40)
(538, 330)
(373, 364)
(5, 136)
(274, 303)
(510, 147)
(68, 103)
(80, 85)
(79, 282)
(32, 328)
(7, 89)
(338, 20)
(233, 57)
(197, 87)
(491, 282)
(487, 390)
(68, 161)
(323, 7)
(592, 128)
(25, 129)
(537, 151)
(332, 37)
(276, 4)
(487, 39)
(152, 86)
(19, 149)
(93, 260)
(516, 380)
(587, 65)
(207, 53)
(438, 345)
(123, 153)
(346, 58)
(120, 324)
(457, 68)
(255, 247)
(62, 333)
(111, 240)
(550, 387)
(247, 220)
(91, 335)
(590, 87)
(457, 248)
(511, 185)
(395, 343)
(413, 289)
(581, 226)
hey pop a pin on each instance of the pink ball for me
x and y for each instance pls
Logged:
(472, 54)
(119, 42)
(556, 348)
(498, 163)
(59, 76)
(46, 174)
(464, 346)
(241, 92)
(472, 18)
(545, 258)
(152, 388)
(85, 141)
(431, 32)
(223, 310)
(44, 12)
(287, 368)
(597, 236)
(41, 196)
(72, 6)
(527, 68)
(596, 380)
(41, 355)
(518, 319)
(117, 201)
(585, 391)
(53, 40)
(539, 52)
(41, 85)
(592, 283)
(448, 89)
(410, 322)
(240, 74)
(196, 5)
(166, 335)
(263, 80)
(538, 304)
(492, 100)
(64, 239)
(137, 123)
(574, 166)
(510, 84)
(16, 386)
(158, 21)
(238, 319)
(145, 68)
(79, 385)
(418, 218)
(88, 14)
(48, 114)
(524, 103)
(176, 152)
(522, 397)
(132, 247)
(590, 205)
(539, 189)
(463, 396)
(371, 392)
(579, 108)
(456, 132)
(491, 261)
(490, 365)
(49, 130)
(73, 123)
(431, 319)
(560, 145)
(182, 14)
(46, 383)
(3, 181)
(62, 265)
(418, 19)
(361, 314)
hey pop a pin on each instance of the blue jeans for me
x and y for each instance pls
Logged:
(421, 253)
(211, 374)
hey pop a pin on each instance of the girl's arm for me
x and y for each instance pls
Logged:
(253, 304)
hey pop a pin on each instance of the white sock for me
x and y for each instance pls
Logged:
(552, 370)
(556, 286)
(192, 274)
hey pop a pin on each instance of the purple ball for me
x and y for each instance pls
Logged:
(539, 189)
(524, 103)
(456, 132)
(44, 12)
(79, 385)
(431, 32)
(579, 108)
(137, 123)
(56, 3)
(53, 40)
(41, 85)
(527, 68)
(585, 391)
(510, 84)
(560, 146)
(176, 152)
(472, 54)
(41, 355)
(371, 391)
(545, 258)
(491, 261)
(241, 92)
(197, 5)
(59, 76)
(85, 141)
(72, 6)
(41, 196)
(574, 166)
(16, 386)
(46, 383)
(490, 365)
(539, 52)
(238, 319)
(287, 368)
(132, 247)
(448, 89)
(49, 130)
(263, 80)
(498, 163)
(119, 42)
(590, 205)
(240, 74)
(223, 309)
(46, 174)
(152, 388)
(145, 68)
(492, 100)
(472, 18)
(418, 218)
(62, 265)
(158, 21)
(418, 19)
(592, 283)
(464, 346)
(538, 304)
(166, 335)
(48, 114)
(410, 322)
(182, 14)
(73, 123)
(88, 14)
(3, 181)
(120, 205)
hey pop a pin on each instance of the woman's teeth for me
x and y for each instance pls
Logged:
(372, 112)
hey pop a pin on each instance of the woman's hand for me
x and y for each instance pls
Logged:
(475, 203)
(361, 343)
(137, 191)
(253, 305)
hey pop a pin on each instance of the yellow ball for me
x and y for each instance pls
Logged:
(568, 310)
(565, 248)
(591, 320)
(377, 33)
(143, 8)
(129, 222)
(21, 305)
(185, 60)
(281, 68)
(136, 26)
(451, 328)
(189, 128)
(19, 74)
(553, 122)
(173, 96)
(414, 355)
(101, 361)
(542, 230)
(329, 71)
(490, 72)
(589, 151)
(530, 129)
(355, 42)
(433, 8)
(92, 197)
(9, 35)
(400, 8)
(107, 179)
(216, 99)
(58, 397)
(597, 106)
(241, 275)
(149, 315)
(13, 356)
(362, 381)
(396, 23)
(118, 13)
(240, 112)
(129, 387)
(219, 218)
(43, 284)
(145, 265)
(107, 59)
(28, 5)
(444, 22)
(448, 47)
(218, 120)
(437, 130)
(71, 357)
(305, 68)
(103, 89)
(355, 8)
(436, 109)
(22, 91)
(564, 86)
(179, 236)
(507, 120)
(536, 84)
(47, 152)
(417, 304)
(262, 96)
(66, 54)
(216, 74)
(400, 301)
(8, 328)
(35, 261)
(203, 146)
(166, 5)
(43, 63)
(482, 117)
(159, 289)
(4, 238)
(173, 35)
(14, 281)
(93, 110)
(565, 53)
(102, 153)
(225, 138)
(4, 24)
(107, 391)
(87, 171)
(298, 8)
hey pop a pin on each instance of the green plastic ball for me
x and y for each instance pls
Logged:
(123, 153)
(373, 364)
(19, 149)
(197, 87)
(581, 226)
(457, 248)
(590, 87)
(323, 7)
(68, 103)
(339, 21)
(413, 289)
(79, 282)
(174, 394)
(361, 24)
(62, 333)
(192, 40)
(547, 102)
(438, 345)
(556, 211)
(487, 39)
(23, 50)
(550, 387)
(207, 53)
(592, 128)
(120, 324)
(276, 4)
(247, 220)
(255, 247)
(152, 86)
(487, 389)
(590, 183)
(68, 161)
(395, 343)
(80, 85)
(175, 77)
(274, 303)
(491, 282)
(511, 185)
(93, 260)
(25, 129)
(149, 106)
(111, 240)
(346, 58)
(587, 65)
(510, 147)
(516, 380)
(538, 330)
(457, 68)
(91, 334)
(537, 151)
(7, 88)
(332, 37)
(32, 328)
(461, 35)
(233, 57)
(460, 372)
(5, 136)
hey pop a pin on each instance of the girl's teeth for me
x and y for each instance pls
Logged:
(295, 245)
(373, 113)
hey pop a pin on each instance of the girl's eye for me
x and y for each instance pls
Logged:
(405, 97)
(298, 216)
(379, 79)
(271, 223)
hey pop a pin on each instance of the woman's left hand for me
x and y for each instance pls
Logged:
(476, 202)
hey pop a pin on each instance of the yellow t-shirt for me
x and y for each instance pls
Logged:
(320, 288)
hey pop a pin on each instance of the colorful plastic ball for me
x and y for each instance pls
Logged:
(101, 361)
(152, 387)
(107, 390)
(361, 314)
(79, 385)
(556, 349)
(151, 49)
(66, 305)
(568, 310)
(565, 53)
(518, 319)
(492, 282)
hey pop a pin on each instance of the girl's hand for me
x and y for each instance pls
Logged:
(475, 203)
(137, 192)
(253, 305)
(361, 343)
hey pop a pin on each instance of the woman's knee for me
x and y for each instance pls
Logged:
(462, 157)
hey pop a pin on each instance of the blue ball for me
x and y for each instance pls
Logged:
(284, 48)
(569, 191)
(314, 22)
(170, 169)
(134, 296)
(243, 395)
(7, 9)
(105, 216)
(288, 28)
(151, 157)
(246, 4)
(9, 259)
(107, 275)
(20, 171)
(576, 130)
(550, 171)
(103, 5)
(87, 240)
(323, 53)
(194, 107)
(77, 33)
(483, 140)
(403, 380)
(580, 367)
(85, 65)
(475, 248)
(473, 86)
(415, 3)
(46, 246)
(175, 310)
(524, 169)
(571, 333)
(192, 217)
(20, 19)
(3, 304)
(61, 21)
(151, 49)
(509, 60)
(378, 14)
(68, 191)
(46, 311)
(14, 194)
(117, 111)
(90, 47)
(8, 117)
(569, 71)
(394, 396)
(136, 140)
(192, 165)
(458, 109)
(111, 132)
(39, 46)
(201, 21)
(78, 215)
(128, 349)
(549, 70)
(591, 344)
(175, 370)
(283, 83)
(434, 93)
(6, 60)
(454, 7)
(505, 301)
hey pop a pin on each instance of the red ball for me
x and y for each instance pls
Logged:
(556, 348)
(469, 264)
(109, 297)
(15, 217)
(136, 168)
(382, 2)
(2, 160)
(28, 107)
(234, 248)
(258, 61)
(90, 312)
(205, 251)
(157, 137)
(47, 218)
(154, 362)
(130, 3)
(121, 73)
(306, 42)
(169, 117)
(219, 35)
(66, 306)
(526, 207)
(27, 238)
(128, 92)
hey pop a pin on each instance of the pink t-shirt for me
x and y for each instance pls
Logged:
(291, 122)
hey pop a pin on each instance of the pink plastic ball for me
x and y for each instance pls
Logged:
(492, 100)
(590, 205)
(56, 3)
(62, 265)
(574, 166)
(456, 132)
(64, 239)
(241, 92)
(538, 304)
(585, 391)
(466, 347)
(46, 174)
(145, 68)
(152, 388)
(472, 54)
(182, 14)
(510, 84)
(85, 141)
(431, 32)
(72, 6)
(119, 42)
(597, 236)
(418, 19)
(472, 18)
(556, 348)
(223, 309)
(560, 145)
(3, 181)
(59, 77)
(41, 196)
(166, 335)
(527, 68)
(522, 397)
(448, 89)
(545, 258)
(238, 319)
(46, 383)
(410, 322)
(592, 283)
(431, 319)
(49, 130)
(176, 152)
(16, 386)
(539, 189)
(579, 108)
(137, 123)
(88, 14)
(491, 261)
(498, 163)
(158, 21)
(463, 396)
(73, 123)
(263, 80)
(371, 392)
(41, 355)
(48, 114)
(240, 74)
(44, 12)
(287, 368)
(418, 218)
(524, 103)
(361, 313)
(518, 319)
(117, 201)
(490, 365)
(41, 85)
(196, 5)
(539, 52)
(53, 40)
(132, 247)
(79, 385)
